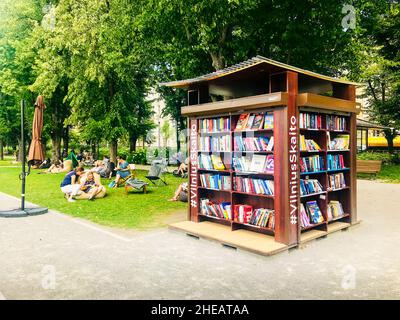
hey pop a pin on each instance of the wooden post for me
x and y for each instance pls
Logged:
(287, 166)
(193, 165)
(351, 95)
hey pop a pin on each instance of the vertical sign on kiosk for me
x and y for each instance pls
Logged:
(293, 145)
(193, 166)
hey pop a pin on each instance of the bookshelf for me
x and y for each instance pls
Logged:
(258, 185)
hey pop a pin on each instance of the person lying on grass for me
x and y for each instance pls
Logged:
(70, 186)
(56, 167)
(181, 193)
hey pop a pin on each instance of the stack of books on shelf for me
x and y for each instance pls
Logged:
(242, 213)
(220, 210)
(310, 186)
(310, 214)
(336, 181)
(311, 164)
(308, 144)
(222, 124)
(310, 121)
(215, 181)
(255, 163)
(215, 144)
(335, 161)
(255, 121)
(254, 143)
(256, 186)
(340, 142)
(260, 217)
(211, 162)
(336, 123)
(334, 210)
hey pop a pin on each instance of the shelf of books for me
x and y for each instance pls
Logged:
(236, 170)
(325, 184)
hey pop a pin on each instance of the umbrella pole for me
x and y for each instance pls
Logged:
(22, 211)
(23, 174)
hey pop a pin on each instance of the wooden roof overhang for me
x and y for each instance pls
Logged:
(271, 100)
(236, 105)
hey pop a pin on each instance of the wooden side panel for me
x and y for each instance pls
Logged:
(293, 155)
(193, 174)
(281, 175)
(353, 165)
(286, 133)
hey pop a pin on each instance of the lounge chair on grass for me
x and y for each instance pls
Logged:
(157, 170)
(135, 184)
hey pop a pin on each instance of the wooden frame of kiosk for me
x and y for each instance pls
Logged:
(249, 192)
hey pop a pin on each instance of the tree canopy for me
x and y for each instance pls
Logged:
(95, 61)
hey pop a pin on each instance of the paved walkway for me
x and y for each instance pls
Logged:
(58, 257)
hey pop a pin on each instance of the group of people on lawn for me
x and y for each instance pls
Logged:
(87, 184)
(79, 182)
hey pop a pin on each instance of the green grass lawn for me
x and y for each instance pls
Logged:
(8, 161)
(117, 209)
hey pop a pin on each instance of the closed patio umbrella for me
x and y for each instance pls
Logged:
(36, 149)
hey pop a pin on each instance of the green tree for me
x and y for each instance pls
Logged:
(17, 51)
(105, 71)
(189, 38)
(382, 72)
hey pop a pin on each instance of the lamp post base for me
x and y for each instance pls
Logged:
(18, 213)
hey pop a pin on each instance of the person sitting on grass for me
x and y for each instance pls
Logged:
(70, 186)
(122, 170)
(90, 186)
(98, 166)
(56, 167)
(45, 164)
(181, 193)
(183, 168)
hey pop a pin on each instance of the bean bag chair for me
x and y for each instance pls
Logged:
(68, 166)
(85, 196)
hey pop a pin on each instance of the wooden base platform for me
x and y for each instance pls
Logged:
(311, 235)
(248, 240)
(337, 226)
(240, 239)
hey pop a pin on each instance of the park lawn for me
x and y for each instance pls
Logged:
(7, 162)
(118, 209)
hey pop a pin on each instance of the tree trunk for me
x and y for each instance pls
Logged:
(1, 150)
(178, 141)
(66, 139)
(390, 135)
(56, 148)
(217, 60)
(113, 150)
(132, 143)
(94, 149)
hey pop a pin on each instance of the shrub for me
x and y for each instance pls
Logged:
(385, 157)
(138, 157)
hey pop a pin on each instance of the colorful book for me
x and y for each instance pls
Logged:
(269, 121)
(258, 163)
(242, 122)
(257, 122)
(314, 212)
